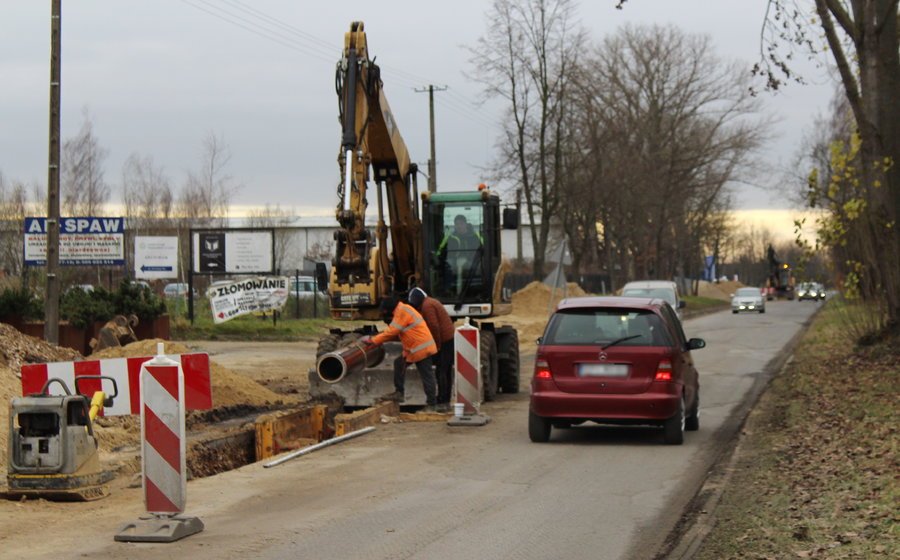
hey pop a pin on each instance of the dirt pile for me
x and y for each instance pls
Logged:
(532, 306)
(720, 290)
(17, 349)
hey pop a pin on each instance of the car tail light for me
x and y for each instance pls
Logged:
(664, 371)
(542, 370)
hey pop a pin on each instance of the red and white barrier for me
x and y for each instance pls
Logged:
(126, 372)
(467, 364)
(163, 436)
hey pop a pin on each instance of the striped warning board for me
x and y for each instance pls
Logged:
(162, 436)
(467, 363)
(197, 390)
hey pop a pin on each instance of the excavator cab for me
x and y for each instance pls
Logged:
(461, 245)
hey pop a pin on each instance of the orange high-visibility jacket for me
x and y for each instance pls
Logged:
(409, 326)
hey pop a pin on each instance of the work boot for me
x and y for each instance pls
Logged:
(442, 408)
(428, 408)
(396, 396)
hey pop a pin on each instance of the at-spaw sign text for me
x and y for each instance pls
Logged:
(232, 299)
(82, 241)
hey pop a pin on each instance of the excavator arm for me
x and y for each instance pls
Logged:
(363, 270)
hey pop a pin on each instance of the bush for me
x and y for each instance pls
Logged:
(83, 309)
(139, 300)
(20, 303)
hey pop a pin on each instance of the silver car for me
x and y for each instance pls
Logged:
(748, 299)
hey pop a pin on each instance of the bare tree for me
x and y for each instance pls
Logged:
(207, 193)
(277, 218)
(662, 127)
(147, 193)
(524, 58)
(83, 188)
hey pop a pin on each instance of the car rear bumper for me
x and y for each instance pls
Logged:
(658, 403)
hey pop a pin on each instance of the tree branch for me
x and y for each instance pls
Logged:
(851, 88)
(843, 18)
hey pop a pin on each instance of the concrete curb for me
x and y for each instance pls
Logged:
(699, 516)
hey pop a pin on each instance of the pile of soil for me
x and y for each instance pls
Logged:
(718, 290)
(532, 306)
(17, 349)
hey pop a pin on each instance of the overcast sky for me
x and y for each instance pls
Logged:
(158, 76)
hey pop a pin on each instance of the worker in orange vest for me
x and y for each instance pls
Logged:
(405, 323)
(442, 330)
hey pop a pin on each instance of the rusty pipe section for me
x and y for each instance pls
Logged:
(334, 366)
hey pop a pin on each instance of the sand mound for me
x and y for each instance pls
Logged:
(721, 290)
(537, 295)
(532, 306)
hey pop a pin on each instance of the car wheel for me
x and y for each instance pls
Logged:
(762, 310)
(734, 311)
(692, 422)
(538, 428)
(673, 428)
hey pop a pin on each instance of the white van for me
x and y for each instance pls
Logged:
(303, 287)
(662, 289)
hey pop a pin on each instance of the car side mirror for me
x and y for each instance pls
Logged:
(321, 277)
(681, 303)
(539, 340)
(696, 344)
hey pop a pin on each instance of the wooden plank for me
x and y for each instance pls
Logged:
(287, 430)
(346, 423)
(425, 416)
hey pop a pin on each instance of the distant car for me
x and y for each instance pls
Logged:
(178, 289)
(748, 299)
(664, 289)
(615, 360)
(303, 287)
(83, 287)
(810, 290)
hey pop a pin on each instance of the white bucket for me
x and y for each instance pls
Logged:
(458, 409)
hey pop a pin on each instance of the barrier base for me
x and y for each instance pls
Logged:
(159, 529)
(469, 420)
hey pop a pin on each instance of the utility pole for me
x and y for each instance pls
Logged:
(432, 165)
(51, 303)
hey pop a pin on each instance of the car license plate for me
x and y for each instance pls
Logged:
(603, 370)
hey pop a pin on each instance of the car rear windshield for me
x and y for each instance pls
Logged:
(604, 325)
(666, 294)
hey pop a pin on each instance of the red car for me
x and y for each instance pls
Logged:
(614, 360)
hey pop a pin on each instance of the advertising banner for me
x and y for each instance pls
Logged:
(155, 257)
(233, 299)
(233, 252)
(82, 241)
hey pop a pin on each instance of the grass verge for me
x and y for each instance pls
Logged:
(249, 327)
(701, 304)
(817, 472)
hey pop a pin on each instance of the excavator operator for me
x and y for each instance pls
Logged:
(457, 254)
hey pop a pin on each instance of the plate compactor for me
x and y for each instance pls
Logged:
(52, 447)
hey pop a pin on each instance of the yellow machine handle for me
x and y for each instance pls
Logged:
(96, 404)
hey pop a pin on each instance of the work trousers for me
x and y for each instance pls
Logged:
(425, 372)
(444, 371)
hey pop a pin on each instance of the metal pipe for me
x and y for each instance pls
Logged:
(334, 366)
(318, 446)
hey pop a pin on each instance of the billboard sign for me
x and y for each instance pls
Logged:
(233, 299)
(155, 257)
(233, 251)
(82, 241)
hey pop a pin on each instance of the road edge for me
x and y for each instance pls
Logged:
(699, 516)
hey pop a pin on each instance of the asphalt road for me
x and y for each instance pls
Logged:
(426, 490)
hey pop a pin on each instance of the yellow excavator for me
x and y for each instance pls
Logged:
(408, 248)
